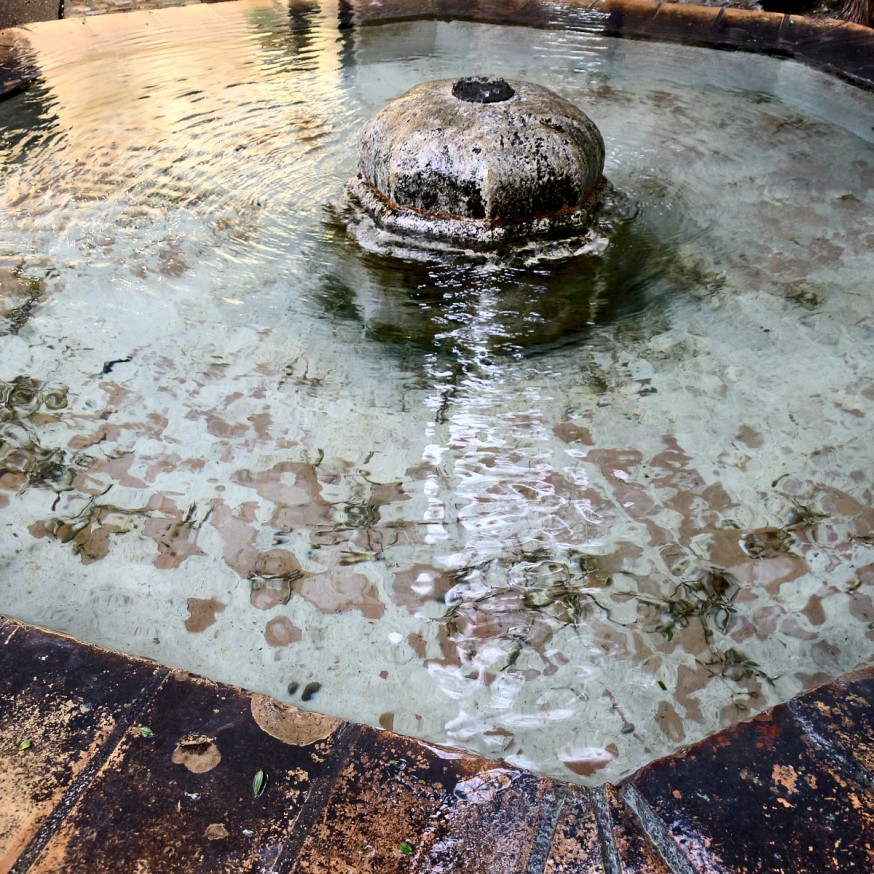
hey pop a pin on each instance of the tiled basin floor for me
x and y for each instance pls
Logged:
(110, 763)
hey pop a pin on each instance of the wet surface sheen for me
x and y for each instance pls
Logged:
(574, 517)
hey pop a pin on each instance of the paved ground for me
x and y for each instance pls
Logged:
(109, 763)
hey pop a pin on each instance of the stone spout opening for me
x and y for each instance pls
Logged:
(482, 89)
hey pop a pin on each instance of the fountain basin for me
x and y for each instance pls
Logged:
(289, 504)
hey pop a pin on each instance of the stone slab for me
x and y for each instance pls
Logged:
(635, 850)
(67, 703)
(838, 712)
(763, 797)
(184, 799)
(17, 12)
(93, 791)
(170, 761)
(404, 806)
(576, 842)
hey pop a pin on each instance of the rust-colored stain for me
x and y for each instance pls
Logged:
(197, 752)
(594, 759)
(784, 776)
(568, 432)
(201, 613)
(342, 590)
(281, 631)
(769, 733)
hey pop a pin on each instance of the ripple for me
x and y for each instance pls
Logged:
(571, 514)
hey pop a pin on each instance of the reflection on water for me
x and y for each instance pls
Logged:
(470, 310)
(573, 515)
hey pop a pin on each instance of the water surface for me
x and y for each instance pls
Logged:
(574, 517)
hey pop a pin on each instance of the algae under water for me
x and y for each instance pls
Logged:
(574, 515)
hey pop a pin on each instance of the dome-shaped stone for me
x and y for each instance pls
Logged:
(479, 161)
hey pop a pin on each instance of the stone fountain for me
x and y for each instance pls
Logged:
(479, 164)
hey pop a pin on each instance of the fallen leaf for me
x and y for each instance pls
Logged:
(216, 831)
(197, 752)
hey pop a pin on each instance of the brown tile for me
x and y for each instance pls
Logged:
(633, 17)
(637, 853)
(762, 797)
(72, 702)
(17, 12)
(405, 806)
(183, 800)
(842, 714)
(575, 846)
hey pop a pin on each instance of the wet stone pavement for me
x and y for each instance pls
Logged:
(110, 763)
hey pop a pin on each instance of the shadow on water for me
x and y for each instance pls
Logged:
(468, 310)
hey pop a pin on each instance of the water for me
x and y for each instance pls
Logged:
(572, 516)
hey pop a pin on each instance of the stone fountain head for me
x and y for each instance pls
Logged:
(479, 163)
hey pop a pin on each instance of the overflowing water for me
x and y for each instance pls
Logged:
(574, 516)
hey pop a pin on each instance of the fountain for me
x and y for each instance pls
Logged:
(479, 163)
(572, 512)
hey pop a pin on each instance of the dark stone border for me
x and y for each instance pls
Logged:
(836, 47)
(107, 761)
(16, 12)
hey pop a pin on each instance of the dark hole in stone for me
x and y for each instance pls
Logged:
(481, 89)
(309, 691)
